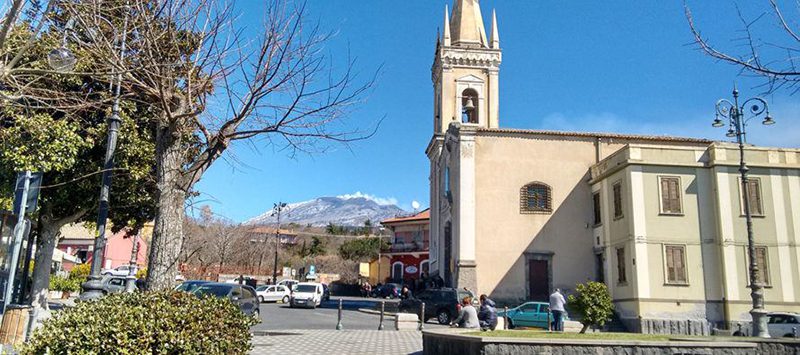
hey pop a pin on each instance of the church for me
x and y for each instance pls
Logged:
(516, 213)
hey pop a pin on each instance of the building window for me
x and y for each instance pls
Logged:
(424, 268)
(469, 105)
(754, 197)
(670, 195)
(535, 198)
(618, 200)
(446, 183)
(596, 202)
(675, 256)
(621, 277)
(762, 276)
(397, 271)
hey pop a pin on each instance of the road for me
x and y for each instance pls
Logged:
(278, 316)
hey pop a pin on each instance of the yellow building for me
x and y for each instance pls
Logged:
(513, 211)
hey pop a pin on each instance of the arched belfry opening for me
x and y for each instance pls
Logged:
(469, 105)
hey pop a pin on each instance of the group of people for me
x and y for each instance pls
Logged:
(469, 317)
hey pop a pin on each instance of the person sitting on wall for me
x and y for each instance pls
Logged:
(487, 317)
(406, 293)
(468, 316)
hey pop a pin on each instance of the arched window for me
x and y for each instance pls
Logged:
(424, 268)
(397, 270)
(536, 197)
(469, 106)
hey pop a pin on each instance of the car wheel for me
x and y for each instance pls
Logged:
(285, 299)
(257, 314)
(738, 334)
(443, 317)
(788, 335)
(260, 299)
(510, 324)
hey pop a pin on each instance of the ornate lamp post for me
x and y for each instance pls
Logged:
(733, 112)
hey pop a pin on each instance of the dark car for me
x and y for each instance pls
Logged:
(389, 290)
(440, 303)
(190, 285)
(241, 295)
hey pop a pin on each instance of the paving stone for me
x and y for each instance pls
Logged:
(335, 342)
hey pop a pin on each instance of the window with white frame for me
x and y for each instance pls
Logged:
(675, 264)
(670, 189)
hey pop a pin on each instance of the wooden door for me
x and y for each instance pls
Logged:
(538, 280)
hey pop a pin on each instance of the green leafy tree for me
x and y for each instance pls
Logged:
(361, 249)
(56, 124)
(593, 303)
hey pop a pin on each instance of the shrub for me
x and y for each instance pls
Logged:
(141, 273)
(165, 322)
(593, 303)
(80, 271)
(64, 284)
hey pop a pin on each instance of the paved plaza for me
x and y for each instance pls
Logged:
(335, 342)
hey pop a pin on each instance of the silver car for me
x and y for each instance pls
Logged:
(783, 324)
(113, 284)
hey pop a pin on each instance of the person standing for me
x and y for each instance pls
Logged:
(557, 303)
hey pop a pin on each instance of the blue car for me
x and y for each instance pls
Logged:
(529, 314)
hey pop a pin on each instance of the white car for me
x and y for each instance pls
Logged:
(289, 283)
(273, 293)
(306, 294)
(122, 270)
(783, 324)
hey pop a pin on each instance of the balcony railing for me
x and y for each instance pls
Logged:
(401, 247)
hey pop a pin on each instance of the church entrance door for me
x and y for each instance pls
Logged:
(538, 280)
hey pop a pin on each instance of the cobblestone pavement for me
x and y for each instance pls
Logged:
(336, 342)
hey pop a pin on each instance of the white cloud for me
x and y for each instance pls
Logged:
(784, 133)
(376, 199)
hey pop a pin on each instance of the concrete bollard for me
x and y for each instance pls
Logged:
(383, 306)
(422, 316)
(339, 322)
(505, 317)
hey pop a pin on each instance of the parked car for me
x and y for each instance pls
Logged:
(241, 295)
(529, 314)
(781, 324)
(113, 284)
(306, 294)
(191, 285)
(122, 270)
(389, 290)
(440, 303)
(275, 293)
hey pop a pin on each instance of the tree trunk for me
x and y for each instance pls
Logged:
(167, 241)
(585, 327)
(48, 235)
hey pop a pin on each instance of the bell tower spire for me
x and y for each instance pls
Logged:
(466, 70)
(467, 24)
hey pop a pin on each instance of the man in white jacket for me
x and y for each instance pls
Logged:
(557, 303)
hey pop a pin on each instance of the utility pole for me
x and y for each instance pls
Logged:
(277, 208)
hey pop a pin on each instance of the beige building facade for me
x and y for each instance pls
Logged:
(514, 213)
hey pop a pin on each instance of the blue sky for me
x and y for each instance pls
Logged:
(567, 65)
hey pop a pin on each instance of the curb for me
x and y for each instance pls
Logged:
(372, 311)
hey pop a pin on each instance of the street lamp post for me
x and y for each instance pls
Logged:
(737, 125)
(277, 208)
(93, 288)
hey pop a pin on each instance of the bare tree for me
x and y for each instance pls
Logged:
(212, 82)
(772, 57)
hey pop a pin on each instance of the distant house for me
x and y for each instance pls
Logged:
(78, 241)
(265, 233)
(408, 254)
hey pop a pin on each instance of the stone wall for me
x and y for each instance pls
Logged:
(668, 326)
(447, 341)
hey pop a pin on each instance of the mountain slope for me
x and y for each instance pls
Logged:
(337, 210)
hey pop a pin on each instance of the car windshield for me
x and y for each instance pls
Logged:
(305, 288)
(261, 288)
(213, 290)
(188, 286)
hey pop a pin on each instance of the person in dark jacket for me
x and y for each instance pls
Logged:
(406, 293)
(487, 317)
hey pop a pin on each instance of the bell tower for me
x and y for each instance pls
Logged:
(466, 69)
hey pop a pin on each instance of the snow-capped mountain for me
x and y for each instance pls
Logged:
(343, 210)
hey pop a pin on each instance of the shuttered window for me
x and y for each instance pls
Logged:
(676, 264)
(621, 277)
(754, 197)
(618, 200)
(671, 195)
(763, 265)
(536, 198)
(596, 202)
